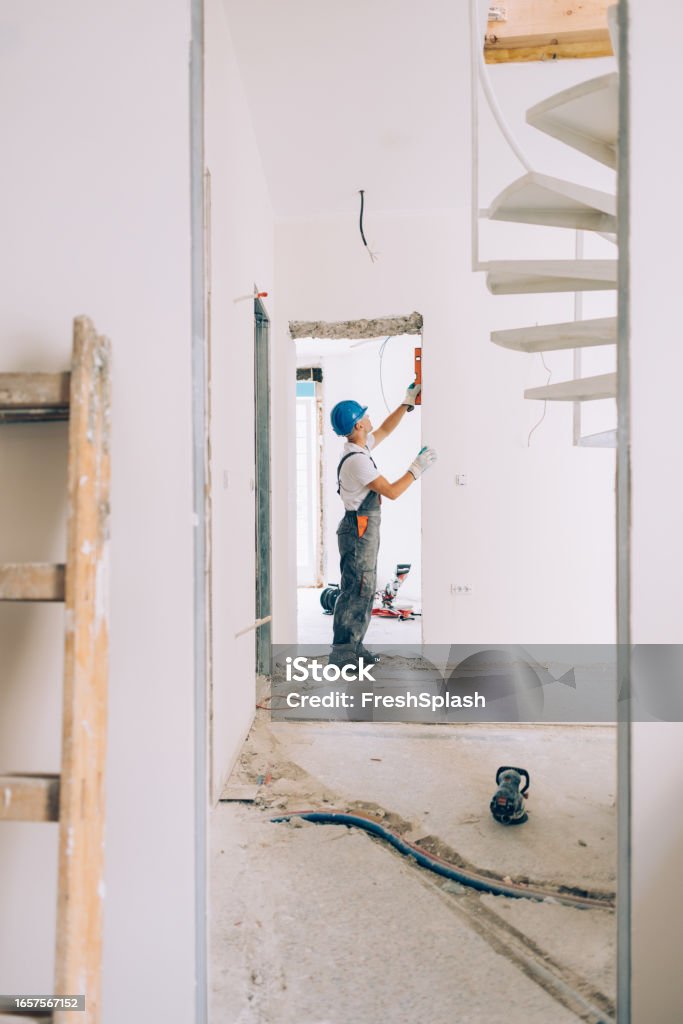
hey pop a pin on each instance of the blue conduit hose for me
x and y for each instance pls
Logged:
(516, 890)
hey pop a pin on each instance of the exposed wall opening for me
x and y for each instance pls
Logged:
(372, 362)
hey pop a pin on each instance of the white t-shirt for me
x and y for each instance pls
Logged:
(356, 474)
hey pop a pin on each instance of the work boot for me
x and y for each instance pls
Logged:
(343, 655)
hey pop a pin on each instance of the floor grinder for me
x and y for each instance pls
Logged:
(507, 803)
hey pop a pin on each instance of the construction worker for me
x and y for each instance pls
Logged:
(361, 488)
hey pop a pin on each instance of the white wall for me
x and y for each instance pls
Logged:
(96, 220)
(657, 538)
(241, 257)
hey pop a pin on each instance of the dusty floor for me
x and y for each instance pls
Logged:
(314, 627)
(321, 924)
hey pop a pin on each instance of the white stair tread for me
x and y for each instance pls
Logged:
(539, 199)
(507, 277)
(583, 389)
(547, 337)
(605, 439)
(585, 117)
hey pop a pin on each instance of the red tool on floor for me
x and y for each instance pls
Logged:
(385, 600)
(387, 609)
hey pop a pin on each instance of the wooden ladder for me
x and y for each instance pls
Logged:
(75, 798)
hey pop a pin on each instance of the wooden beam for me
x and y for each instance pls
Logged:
(585, 50)
(535, 30)
(32, 581)
(78, 961)
(29, 798)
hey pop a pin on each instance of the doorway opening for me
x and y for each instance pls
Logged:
(376, 372)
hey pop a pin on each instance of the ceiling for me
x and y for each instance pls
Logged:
(370, 94)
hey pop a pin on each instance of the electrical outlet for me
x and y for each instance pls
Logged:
(461, 588)
(461, 479)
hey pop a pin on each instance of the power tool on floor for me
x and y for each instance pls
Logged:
(507, 803)
(328, 597)
(385, 606)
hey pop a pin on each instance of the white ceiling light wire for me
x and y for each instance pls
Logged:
(545, 404)
(381, 357)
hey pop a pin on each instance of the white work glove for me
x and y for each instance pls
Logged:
(411, 395)
(422, 461)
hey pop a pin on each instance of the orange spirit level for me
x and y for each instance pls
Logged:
(418, 373)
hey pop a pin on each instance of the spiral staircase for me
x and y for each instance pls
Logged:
(585, 118)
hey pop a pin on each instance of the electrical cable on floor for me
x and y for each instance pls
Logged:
(545, 404)
(371, 254)
(484, 883)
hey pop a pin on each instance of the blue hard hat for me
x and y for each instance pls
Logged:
(345, 415)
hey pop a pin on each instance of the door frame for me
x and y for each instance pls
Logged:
(262, 489)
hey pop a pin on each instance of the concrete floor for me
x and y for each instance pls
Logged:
(314, 627)
(320, 924)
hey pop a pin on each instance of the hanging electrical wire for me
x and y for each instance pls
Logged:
(371, 254)
(545, 404)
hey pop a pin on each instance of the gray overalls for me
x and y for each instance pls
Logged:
(358, 538)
